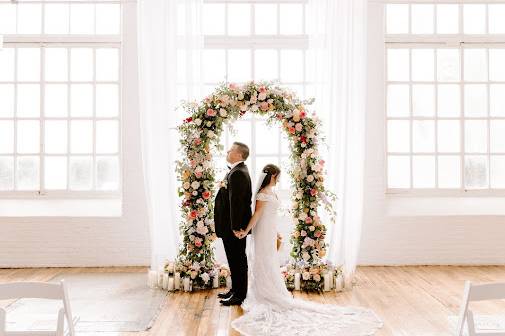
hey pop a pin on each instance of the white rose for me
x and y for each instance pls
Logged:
(310, 178)
(194, 193)
(195, 185)
(186, 185)
(210, 134)
(306, 275)
(312, 228)
(302, 216)
(198, 122)
(205, 277)
(254, 108)
(262, 96)
(222, 112)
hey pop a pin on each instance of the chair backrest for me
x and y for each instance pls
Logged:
(492, 291)
(34, 290)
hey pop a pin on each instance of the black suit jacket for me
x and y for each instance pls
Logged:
(232, 209)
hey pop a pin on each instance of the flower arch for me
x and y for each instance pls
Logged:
(200, 133)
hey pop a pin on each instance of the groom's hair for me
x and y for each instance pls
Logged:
(243, 149)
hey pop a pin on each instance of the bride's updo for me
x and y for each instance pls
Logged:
(270, 170)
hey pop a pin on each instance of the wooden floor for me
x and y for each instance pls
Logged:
(412, 301)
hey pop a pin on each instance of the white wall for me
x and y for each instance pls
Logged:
(418, 230)
(90, 241)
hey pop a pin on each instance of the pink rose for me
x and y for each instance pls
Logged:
(308, 220)
(197, 141)
(211, 112)
(206, 194)
(193, 214)
(317, 234)
(262, 89)
(198, 243)
(232, 86)
(303, 233)
(299, 127)
(292, 130)
(313, 192)
(198, 174)
(264, 106)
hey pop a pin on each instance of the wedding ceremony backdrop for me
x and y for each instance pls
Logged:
(171, 42)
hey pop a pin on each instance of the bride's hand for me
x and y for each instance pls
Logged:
(243, 234)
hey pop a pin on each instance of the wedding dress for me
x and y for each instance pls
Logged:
(270, 309)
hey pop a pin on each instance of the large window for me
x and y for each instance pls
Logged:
(251, 40)
(445, 106)
(60, 98)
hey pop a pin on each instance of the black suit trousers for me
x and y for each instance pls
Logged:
(237, 260)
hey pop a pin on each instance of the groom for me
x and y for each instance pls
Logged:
(232, 213)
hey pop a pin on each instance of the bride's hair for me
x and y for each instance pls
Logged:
(270, 170)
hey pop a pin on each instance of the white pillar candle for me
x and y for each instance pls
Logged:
(326, 279)
(170, 286)
(152, 279)
(339, 283)
(177, 281)
(165, 281)
(160, 279)
(228, 281)
(215, 281)
(185, 281)
(297, 281)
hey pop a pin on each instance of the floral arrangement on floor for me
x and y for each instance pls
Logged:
(200, 133)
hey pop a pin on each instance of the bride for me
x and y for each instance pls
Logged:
(269, 308)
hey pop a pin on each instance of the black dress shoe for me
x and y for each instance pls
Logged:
(233, 301)
(226, 295)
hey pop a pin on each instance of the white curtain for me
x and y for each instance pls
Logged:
(337, 65)
(170, 44)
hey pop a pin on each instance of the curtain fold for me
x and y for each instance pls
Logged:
(337, 67)
(170, 45)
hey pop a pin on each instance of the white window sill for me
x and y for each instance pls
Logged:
(444, 206)
(61, 208)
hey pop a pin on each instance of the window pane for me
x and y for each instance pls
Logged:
(56, 19)
(107, 136)
(448, 65)
(107, 100)
(423, 100)
(475, 136)
(81, 173)
(449, 102)
(422, 19)
(291, 19)
(107, 64)
(28, 68)
(239, 65)
(398, 136)
(266, 65)
(497, 136)
(7, 19)
(243, 133)
(81, 60)
(239, 19)
(81, 136)
(6, 100)
(475, 67)
(27, 173)
(7, 64)
(56, 100)
(6, 136)
(29, 18)
(474, 19)
(6, 173)
(398, 171)
(423, 66)
(449, 172)
(55, 172)
(266, 144)
(213, 19)
(214, 68)
(107, 173)
(265, 19)
(497, 103)
(496, 15)
(56, 68)
(81, 100)
(423, 136)
(448, 136)
(398, 64)
(28, 134)
(497, 64)
(108, 19)
(476, 176)
(398, 101)
(497, 171)
(55, 139)
(475, 100)
(397, 18)
(28, 100)
(423, 171)
(82, 19)
(447, 19)
(291, 66)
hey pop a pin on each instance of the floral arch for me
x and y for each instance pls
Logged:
(200, 133)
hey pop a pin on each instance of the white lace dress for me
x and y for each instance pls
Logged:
(270, 309)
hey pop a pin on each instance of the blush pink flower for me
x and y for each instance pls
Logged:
(313, 192)
(197, 141)
(211, 112)
(317, 234)
(198, 174)
(308, 220)
(264, 106)
(198, 243)
(232, 86)
(303, 233)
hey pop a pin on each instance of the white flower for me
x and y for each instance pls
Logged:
(209, 123)
(199, 169)
(195, 185)
(312, 228)
(254, 108)
(243, 107)
(306, 275)
(310, 178)
(296, 115)
(198, 121)
(210, 134)
(186, 185)
(222, 112)
(298, 127)
(241, 96)
(202, 230)
(262, 96)
(194, 193)
(302, 216)
(205, 277)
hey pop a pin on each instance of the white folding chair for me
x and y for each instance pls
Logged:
(493, 291)
(38, 290)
